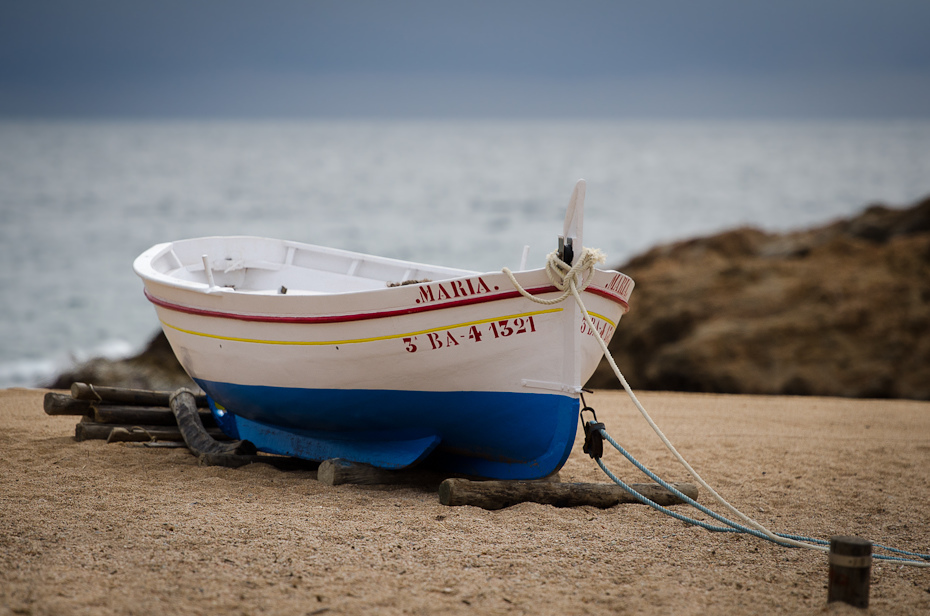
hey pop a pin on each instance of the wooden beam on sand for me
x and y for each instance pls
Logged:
(103, 412)
(500, 494)
(91, 430)
(62, 404)
(122, 395)
(141, 416)
(151, 415)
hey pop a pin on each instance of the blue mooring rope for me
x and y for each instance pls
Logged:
(731, 526)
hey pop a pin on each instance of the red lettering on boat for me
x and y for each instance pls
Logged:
(458, 287)
(426, 295)
(620, 284)
(441, 293)
(453, 289)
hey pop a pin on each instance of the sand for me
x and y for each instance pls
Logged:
(92, 528)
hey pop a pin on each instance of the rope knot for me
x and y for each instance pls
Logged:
(562, 274)
(570, 280)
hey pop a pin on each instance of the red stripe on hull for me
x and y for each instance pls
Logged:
(344, 318)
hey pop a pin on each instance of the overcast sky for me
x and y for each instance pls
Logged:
(534, 59)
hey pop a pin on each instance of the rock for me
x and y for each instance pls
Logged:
(839, 310)
(155, 368)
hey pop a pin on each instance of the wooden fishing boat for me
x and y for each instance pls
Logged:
(322, 353)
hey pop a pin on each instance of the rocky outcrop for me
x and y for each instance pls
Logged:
(155, 367)
(840, 310)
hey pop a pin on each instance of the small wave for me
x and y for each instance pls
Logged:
(27, 373)
(109, 349)
(34, 372)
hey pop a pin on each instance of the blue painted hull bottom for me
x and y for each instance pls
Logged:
(497, 435)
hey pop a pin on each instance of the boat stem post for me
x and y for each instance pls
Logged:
(571, 248)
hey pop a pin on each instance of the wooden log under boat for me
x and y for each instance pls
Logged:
(336, 471)
(122, 395)
(63, 404)
(91, 430)
(501, 494)
(150, 415)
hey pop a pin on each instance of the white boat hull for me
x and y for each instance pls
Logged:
(462, 369)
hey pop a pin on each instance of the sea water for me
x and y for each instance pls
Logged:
(80, 200)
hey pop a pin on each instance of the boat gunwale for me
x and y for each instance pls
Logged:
(380, 314)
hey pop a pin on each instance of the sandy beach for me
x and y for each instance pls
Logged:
(92, 528)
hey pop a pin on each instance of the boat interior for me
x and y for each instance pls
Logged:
(268, 266)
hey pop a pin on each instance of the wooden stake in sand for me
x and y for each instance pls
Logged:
(850, 570)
